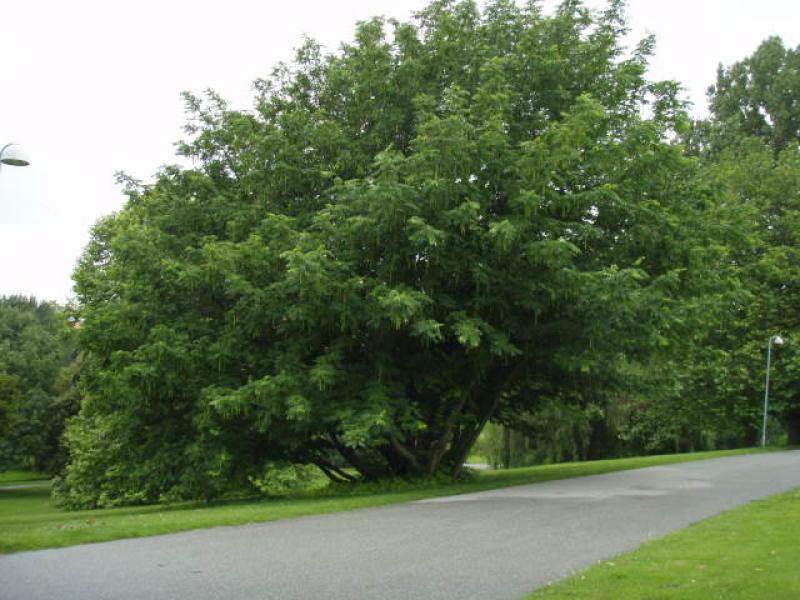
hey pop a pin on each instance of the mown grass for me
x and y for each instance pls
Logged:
(29, 521)
(748, 553)
(15, 477)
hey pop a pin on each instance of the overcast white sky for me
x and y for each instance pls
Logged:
(92, 87)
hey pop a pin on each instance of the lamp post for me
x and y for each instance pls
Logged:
(15, 155)
(778, 341)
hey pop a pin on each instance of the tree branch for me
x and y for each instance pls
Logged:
(405, 453)
(362, 466)
(333, 472)
(468, 440)
(439, 446)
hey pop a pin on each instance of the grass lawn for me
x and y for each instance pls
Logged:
(29, 521)
(747, 553)
(15, 477)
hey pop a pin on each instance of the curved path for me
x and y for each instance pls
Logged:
(500, 544)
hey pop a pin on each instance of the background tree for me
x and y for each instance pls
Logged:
(749, 147)
(35, 345)
(769, 185)
(447, 222)
(757, 97)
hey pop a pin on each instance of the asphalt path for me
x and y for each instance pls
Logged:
(500, 544)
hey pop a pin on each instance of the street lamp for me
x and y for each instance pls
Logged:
(778, 341)
(15, 155)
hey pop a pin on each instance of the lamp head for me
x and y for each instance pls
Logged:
(777, 340)
(15, 155)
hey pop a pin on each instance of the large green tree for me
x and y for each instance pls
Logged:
(446, 222)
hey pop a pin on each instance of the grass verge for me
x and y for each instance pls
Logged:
(29, 521)
(746, 553)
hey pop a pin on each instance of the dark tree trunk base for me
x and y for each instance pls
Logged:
(793, 430)
(750, 438)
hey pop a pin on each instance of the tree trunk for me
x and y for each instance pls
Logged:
(793, 429)
(459, 451)
(333, 472)
(362, 465)
(598, 441)
(750, 438)
(406, 455)
(439, 446)
(506, 447)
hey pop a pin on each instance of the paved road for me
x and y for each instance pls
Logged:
(492, 545)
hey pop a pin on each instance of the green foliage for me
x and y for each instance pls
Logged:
(757, 97)
(753, 159)
(447, 222)
(10, 399)
(553, 432)
(287, 478)
(37, 382)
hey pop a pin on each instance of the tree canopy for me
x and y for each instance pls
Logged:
(757, 97)
(453, 220)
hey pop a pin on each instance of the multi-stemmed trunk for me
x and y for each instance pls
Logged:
(440, 450)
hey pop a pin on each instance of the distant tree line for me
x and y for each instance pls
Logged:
(476, 217)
